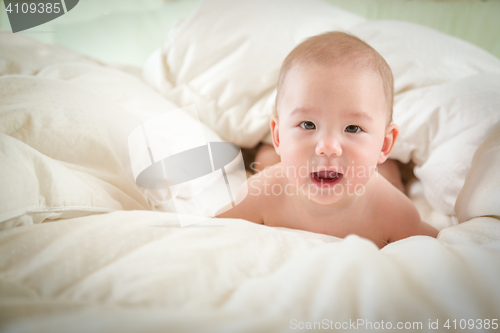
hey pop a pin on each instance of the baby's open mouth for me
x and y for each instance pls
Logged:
(326, 176)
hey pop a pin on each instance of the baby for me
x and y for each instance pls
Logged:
(331, 128)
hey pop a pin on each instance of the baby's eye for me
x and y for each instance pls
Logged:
(352, 129)
(308, 125)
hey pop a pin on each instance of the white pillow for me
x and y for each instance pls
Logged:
(480, 195)
(226, 58)
(442, 127)
(422, 57)
(477, 206)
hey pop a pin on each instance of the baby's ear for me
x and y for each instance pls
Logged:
(275, 133)
(391, 134)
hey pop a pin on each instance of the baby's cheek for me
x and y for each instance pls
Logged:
(361, 171)
(292, 158)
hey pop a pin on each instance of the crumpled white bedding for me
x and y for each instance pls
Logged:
(64, 134)
(446, 90)
(140, 271)
(102, 261)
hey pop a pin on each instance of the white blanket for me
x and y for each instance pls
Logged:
(64, 136)
(103, 261)
(140, 271)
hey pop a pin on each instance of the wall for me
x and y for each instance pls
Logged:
(127, 31)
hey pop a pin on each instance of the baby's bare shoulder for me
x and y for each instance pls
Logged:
(253, 199)
(396, 213)
(269, 176)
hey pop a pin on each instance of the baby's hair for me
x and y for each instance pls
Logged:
(333, 47)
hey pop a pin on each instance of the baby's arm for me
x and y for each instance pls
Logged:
(410, 224)
(404, 219)
(427, 230)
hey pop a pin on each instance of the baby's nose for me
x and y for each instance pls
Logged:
(329, 146)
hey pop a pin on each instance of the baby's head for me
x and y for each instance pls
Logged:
(333, 113)
(334, 48)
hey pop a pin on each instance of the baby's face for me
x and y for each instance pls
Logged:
(331, 128)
